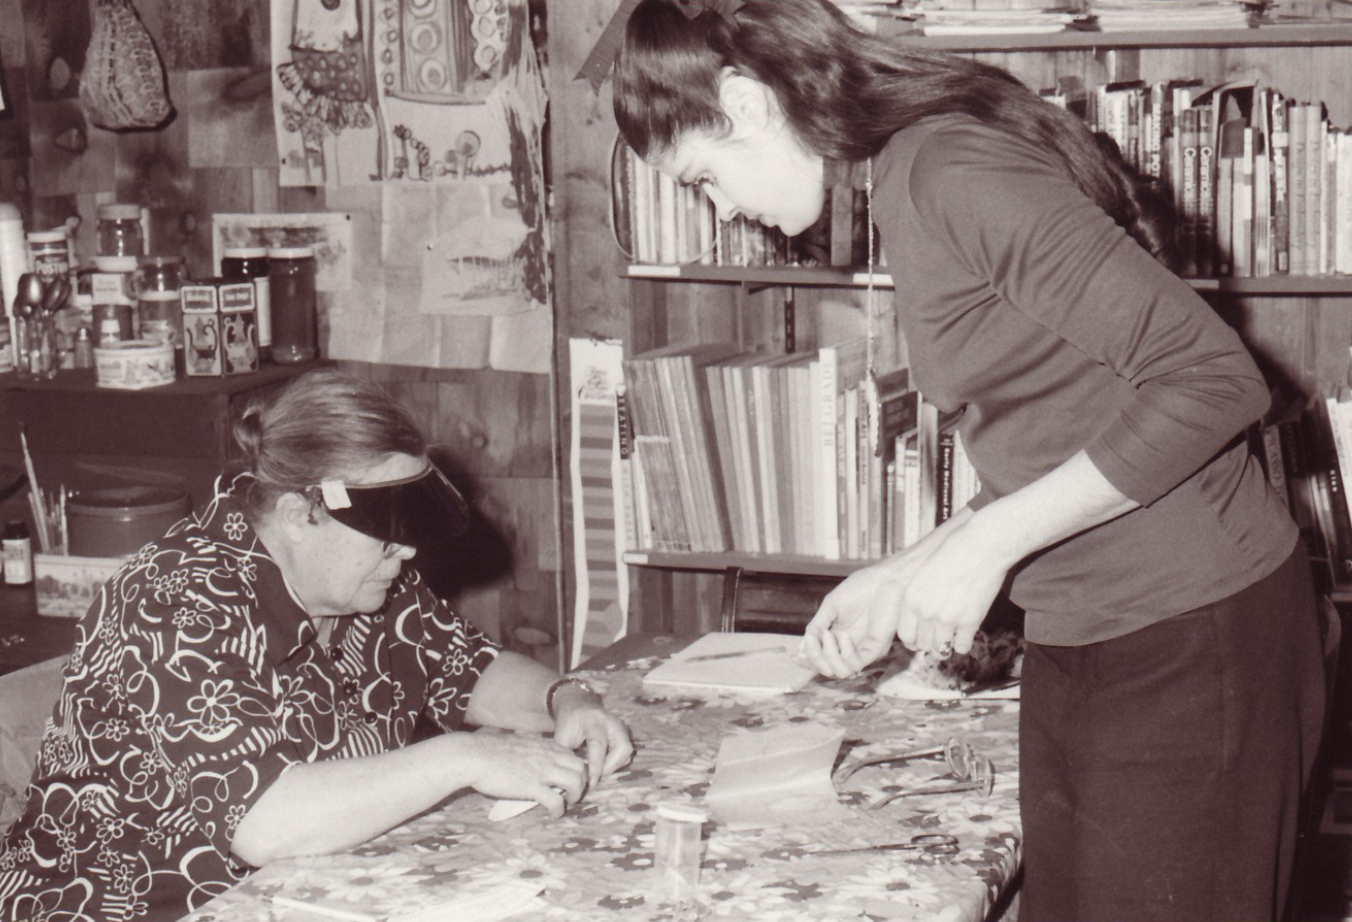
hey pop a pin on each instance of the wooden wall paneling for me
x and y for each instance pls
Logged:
(219, 33)
(1331, 333)
(229, 116)
(68, 154)
(11, 38)
(647, 327)
(56, 36)
(1276, 333)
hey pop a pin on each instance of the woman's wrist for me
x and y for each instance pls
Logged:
(567, 692)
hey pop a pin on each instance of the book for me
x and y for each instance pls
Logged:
(1314, 187)
(736, 661)
(1279, 141)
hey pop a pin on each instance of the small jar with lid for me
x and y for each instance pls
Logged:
(120, 231)
(113, 289)
(291, 281)
(252, 263)
(49, 254)
(159, 315)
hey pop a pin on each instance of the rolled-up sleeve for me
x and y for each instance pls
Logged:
(1009, 215)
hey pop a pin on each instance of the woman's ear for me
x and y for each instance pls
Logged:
(295, 513)
(748, 103)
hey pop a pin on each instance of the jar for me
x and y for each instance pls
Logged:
(49, 254)
(113, 290)
(37, 352)
(291, 284)
(120, 230)
(252, 263)
(18, 554)
(159, 316)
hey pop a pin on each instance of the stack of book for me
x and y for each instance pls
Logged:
(657, 221)
(1306, 452)
(1121, 15)
(1262, 182)
(801, 454)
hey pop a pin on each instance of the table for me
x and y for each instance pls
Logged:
(596, 863)
(27, 637)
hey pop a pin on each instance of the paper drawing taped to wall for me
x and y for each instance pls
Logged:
(444, 92)
(422, 90)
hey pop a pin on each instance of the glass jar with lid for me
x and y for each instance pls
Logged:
(291, 282)
(252, 263)
(113, 290)
(119, 229)
(159, 315)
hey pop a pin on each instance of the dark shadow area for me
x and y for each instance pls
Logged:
(481, 555)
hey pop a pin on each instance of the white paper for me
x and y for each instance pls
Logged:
(777, 777)
(768, 667)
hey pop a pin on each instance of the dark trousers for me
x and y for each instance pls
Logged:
(1161, 773)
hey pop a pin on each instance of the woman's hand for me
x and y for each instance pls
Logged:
(582, 720)
(858, 619)
(522, 767)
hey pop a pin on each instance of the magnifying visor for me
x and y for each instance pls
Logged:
(410, 511)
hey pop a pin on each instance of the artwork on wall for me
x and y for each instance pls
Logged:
(444, 99)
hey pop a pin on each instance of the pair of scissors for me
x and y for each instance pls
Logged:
(931, 843)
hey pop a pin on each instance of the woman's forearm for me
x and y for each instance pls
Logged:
(316, 808)
(1070, 499)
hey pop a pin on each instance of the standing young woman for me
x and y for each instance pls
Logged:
(1172, 689)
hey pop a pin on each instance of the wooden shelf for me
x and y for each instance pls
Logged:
(1276, 34)
(759, 563)
(856, 277)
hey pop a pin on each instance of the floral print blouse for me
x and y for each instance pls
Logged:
(195, 681)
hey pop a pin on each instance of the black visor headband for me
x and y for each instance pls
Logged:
(410, 511)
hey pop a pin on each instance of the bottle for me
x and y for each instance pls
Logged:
(252, 263)
(18, 553)
(13, 255)
(119, 230)
(84, 348)
(291, 284)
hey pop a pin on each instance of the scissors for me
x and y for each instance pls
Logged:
(931, 843)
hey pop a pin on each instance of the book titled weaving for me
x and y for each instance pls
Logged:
(744, 662)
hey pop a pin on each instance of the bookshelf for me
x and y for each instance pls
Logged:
(1298, 326)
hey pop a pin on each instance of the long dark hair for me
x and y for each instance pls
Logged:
(845, 93)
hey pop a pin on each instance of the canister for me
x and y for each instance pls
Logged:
(118, 521)
(252, 263)
(134, 364)
(49, 254)
(239, 342)
(200, 300)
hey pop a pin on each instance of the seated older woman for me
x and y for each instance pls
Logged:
(246, 688)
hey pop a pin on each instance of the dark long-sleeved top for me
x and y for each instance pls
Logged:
(1023, 303)
(195, 682)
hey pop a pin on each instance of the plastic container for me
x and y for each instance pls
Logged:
(118, 521)
(252, 263)
(119, 230)
(291, 283)
(679, 848)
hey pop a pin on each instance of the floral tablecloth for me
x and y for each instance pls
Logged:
(596, 863)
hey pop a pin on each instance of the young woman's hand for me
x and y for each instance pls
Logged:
(858, 619)
(582, 720)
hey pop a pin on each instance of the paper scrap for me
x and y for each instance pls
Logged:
(777, 777)
(506, 809)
